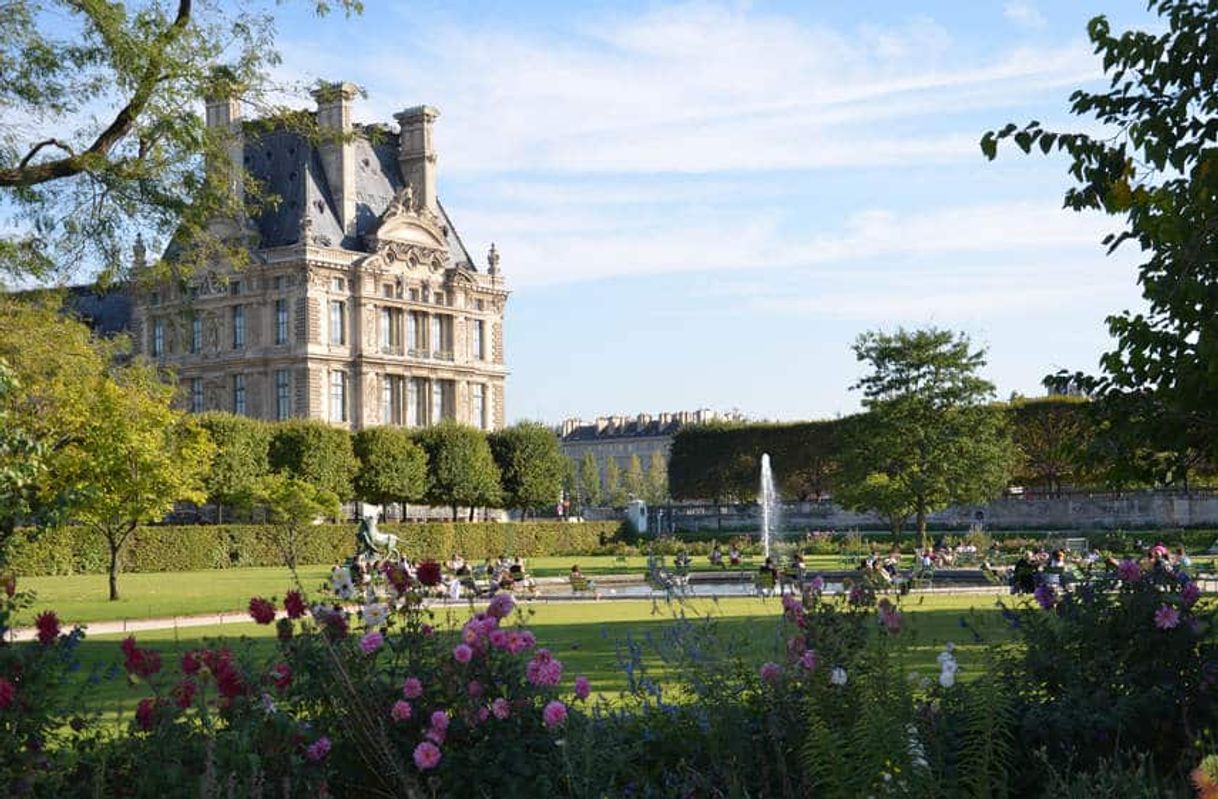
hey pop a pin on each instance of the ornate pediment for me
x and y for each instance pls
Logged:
(404, 223)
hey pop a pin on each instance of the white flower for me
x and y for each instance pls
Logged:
(947, 679)
(916, 753)
(268, 704)
(947, 667)
(837, 676)
(340, 582)
(374, 615)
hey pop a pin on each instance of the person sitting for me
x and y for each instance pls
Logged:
(682, 560)
(456, 565)
(892, 563)
(716, 556)
(733, 555)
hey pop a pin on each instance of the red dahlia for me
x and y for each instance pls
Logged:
(429, 573)
(294, 603)
(48, 627)
(262, 610)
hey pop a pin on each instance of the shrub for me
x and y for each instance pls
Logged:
(73, 550)
(392, 467)
(315, 452)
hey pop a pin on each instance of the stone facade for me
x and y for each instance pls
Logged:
(620, 437)
(360, 305)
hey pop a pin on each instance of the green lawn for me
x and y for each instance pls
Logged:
(590, 637)
(82, 598)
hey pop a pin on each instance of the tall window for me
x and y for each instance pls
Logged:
(437, 333)
(414, 390)
(196, 395)
(478, 405)
(158, 337)
(391, 399)
(238, 326)
(338, 322)
(338, 396)
(437, 401)
(476, 350)
(413, 332)
(196, 334)
(239, 394)
(283, 394)
(281, 321)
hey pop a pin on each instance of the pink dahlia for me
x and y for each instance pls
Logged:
(426, 756)
(771, 672)
(501, 606)
(439, 721)
(294, 603)
(262, 610)
(318, 750)
(807, 660)
(501, 708)
(371, 642)
(583, 689)
(498, 638)
(48, 627)
(1167, 617)
(412, 688)
(462, 653)
(543, 669)
(554, 714)
(401, 710)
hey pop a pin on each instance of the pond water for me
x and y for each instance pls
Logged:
(696, 589)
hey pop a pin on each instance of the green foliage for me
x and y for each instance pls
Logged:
(315, 452)
(1152, 162)
(1053, 436)
(614, 493)
(633, 482)
(928, 427)
(460, 467)
(75, 550)
(531, 466)
(589, 480)
(241, 459)
(392, 467)
(292, 506)
(655, 489)
(21, 462)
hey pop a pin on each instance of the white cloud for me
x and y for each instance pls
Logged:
(1024, 14)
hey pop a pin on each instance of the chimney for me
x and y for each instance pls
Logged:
(223, 116)
(417, 154)
(601, 424)
(337, 149)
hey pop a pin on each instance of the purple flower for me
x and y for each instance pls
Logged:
(554, 714)
(807, 660)
(318, 749)
(1045, 596)
(426, 756)
(462, 653)
(771, 672)
(501, 606)
(412, 688)
(1166, 617)
(1189, 594)
(371, 642)
(1129, 571)
(817, 584)
(582, 688)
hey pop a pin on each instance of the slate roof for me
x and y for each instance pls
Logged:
(288, 165)
(629, 429)
(107, 313)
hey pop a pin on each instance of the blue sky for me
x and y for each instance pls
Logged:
(702, 204)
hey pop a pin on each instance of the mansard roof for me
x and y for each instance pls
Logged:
(287, 165)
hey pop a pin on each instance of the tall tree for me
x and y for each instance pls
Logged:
(656, 490)
(460, 467)
(1152, 161)
(292, 506)
(22, 463)
(119, 145)
(392, 467)
(315, 452)
(1052, 436)
(614, 493)
(589, 481)
(633, 481)
(132, 460)
(242, 446)
(531, 466)
(929, 428)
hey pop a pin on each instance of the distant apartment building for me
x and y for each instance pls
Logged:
(360, 304)
(619, 438)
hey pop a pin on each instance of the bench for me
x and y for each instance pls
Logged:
(581, 584)
(923, 578)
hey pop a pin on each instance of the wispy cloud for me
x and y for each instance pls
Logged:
(1024, 14)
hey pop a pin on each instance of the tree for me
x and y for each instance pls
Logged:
(1052, 436)
(887, 495)
(460, 467)
(531, 466)
(242, 457)
(292, 505)
(392, 467)
(614, 493)
(634, 479)
(133, 458)
(589, 481)
(315, 452)
(656, 490)
(1153, 163)
(118, 146)
(21, 463)
(929, 427)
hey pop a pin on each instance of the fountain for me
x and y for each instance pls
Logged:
(768, 499)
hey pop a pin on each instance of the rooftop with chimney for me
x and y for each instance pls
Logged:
(641, 426)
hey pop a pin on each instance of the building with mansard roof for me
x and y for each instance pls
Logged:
(360, 304)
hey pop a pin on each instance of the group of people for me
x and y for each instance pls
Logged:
(734, 556)
(1057, 567)
(458, 577)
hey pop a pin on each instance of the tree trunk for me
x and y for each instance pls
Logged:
(922, 525)
(114, 547)
(454, 512)
(471, 513)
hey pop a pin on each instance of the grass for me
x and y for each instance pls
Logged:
(591, 637)
(82, 598)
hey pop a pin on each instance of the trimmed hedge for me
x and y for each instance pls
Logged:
(74, 550)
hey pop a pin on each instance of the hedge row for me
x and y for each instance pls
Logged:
(75, 550)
